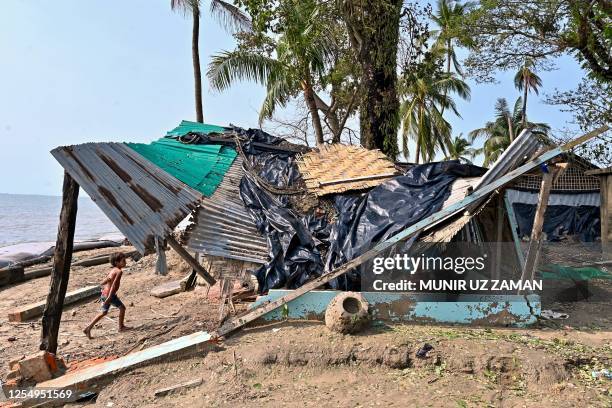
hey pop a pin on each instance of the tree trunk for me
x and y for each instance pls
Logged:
(62, 257)
(309, 97)
(524, 118)
(197, 73)
(373, 27)
(448, 67)
(510, 128)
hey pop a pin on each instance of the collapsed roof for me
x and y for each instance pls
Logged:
(251, 203)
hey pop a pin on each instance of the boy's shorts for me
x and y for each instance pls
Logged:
(114, 300)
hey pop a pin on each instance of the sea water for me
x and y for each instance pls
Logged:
(35, 218)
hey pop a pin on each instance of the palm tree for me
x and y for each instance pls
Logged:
(302, 54)
(526, 79)
(461, 149)
(424, 97)
(500, 132)
(449, 19)
(229, 15)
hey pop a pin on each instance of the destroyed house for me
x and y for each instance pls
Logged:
(258, 204)
(300, 218)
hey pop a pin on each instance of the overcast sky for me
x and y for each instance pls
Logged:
(74, 71)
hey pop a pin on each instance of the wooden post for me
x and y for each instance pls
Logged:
(192, 262)
(606, 216)
(62, 257)
(535, 242)
(605, 182)
(500, 236)
(514, 228)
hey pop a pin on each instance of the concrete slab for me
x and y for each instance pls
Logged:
(168, 289)
(36, 309)
(485, 310)
(182, 347)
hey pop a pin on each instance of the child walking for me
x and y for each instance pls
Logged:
(110, 286)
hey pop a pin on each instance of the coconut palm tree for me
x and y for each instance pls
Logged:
(525, 80)
(500, 132)
(302, 54)
(449, 19)
(423, 98)
(461, 149)
(229, 15)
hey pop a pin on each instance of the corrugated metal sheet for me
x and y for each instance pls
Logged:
(142, 200)
(523, 148)
(223, 227)
(200, 166)
(571, 200)
(186, 126)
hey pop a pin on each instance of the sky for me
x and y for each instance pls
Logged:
(116, 70)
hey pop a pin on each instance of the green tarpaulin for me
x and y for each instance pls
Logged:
(186, 126)
(201, 167)
(556, 272)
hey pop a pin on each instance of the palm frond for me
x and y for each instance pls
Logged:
(230, 66)
(229, 16)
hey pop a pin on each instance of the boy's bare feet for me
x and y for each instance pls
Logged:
(87, 332)
(124, 328)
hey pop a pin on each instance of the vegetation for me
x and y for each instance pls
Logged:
(425, 93)
(377, 64)
(525, 80)
(503, 129)
(228, 14)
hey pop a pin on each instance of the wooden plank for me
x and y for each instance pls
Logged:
(192, 262)
(500, 235)
(352, 179)
(36, 309)
(584, 138)
(178, 348)
(186, 385)
(535, 242)
(599, 172)
(11, 274)
(514, 228)
(62, 257)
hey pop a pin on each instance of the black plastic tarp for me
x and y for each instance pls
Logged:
(296, 240)
(560, 220)
(384, 211)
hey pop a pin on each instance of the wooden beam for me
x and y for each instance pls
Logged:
(192, 262)
(599, 172)
(500, 236)
(353, 179)
(535, 242)
(514, 228)
(605, 208)
(36, 309)
(62, 256)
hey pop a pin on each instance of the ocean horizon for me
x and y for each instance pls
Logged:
(26, 218)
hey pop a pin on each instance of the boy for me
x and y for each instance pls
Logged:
(110, 286)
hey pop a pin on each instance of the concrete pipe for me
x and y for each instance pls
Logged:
(347, 313)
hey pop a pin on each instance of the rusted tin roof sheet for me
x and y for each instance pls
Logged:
(338, 168)
(141, 199)
(223, 227)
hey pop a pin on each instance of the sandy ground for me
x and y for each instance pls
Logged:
(303, 364)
